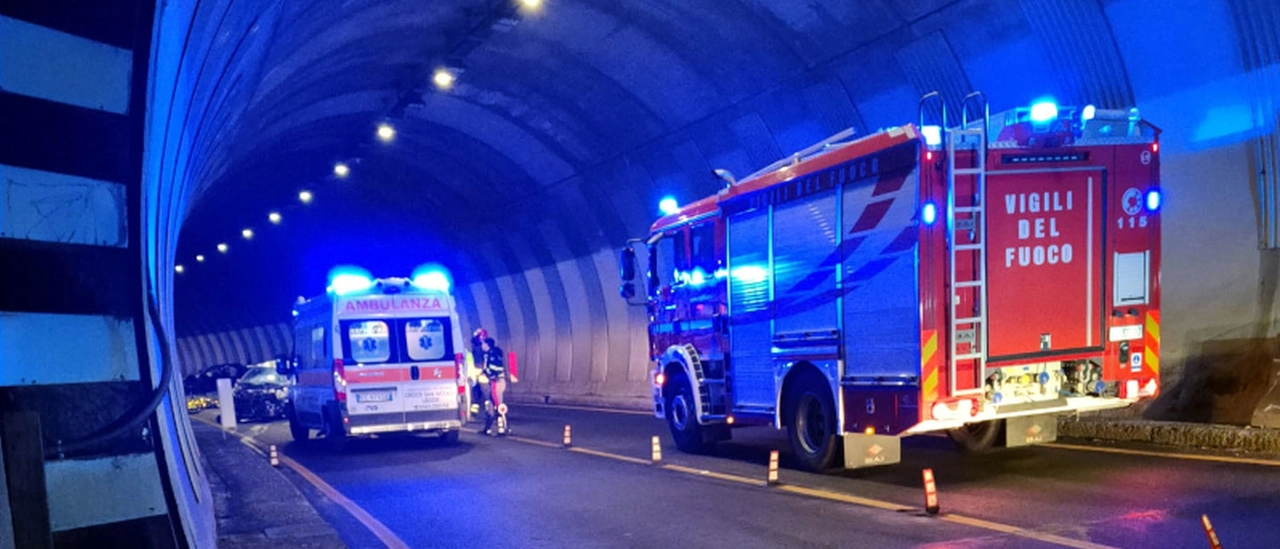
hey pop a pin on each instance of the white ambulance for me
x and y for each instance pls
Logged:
(378, 356)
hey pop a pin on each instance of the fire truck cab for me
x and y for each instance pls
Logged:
(981, 280)
(378, 356)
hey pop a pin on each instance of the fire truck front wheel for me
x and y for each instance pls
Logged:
(682, 417)
(812, 425)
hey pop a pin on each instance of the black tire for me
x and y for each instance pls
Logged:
(450, 437)
(812, 426)
(335, 436)
(297, 430)
(977, 437)
(682, 417)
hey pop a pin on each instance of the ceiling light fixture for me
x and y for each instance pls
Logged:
(444, 79)
(341, 169)
(385, 132)
(274, 217)
(305, 197)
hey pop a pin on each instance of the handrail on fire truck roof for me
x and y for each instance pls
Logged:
(826, 145)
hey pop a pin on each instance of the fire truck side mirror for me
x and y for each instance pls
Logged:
(628, 265)
(628, 290)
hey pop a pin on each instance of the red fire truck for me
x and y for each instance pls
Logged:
(980, 280)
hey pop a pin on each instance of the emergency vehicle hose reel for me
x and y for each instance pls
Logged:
(122, 425)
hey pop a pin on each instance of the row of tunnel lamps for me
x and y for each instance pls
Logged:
(444, 78)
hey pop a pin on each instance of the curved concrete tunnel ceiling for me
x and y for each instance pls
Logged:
(566, 124)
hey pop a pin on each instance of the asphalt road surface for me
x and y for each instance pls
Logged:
(525, 491)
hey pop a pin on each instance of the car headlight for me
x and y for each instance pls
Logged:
(282, 393)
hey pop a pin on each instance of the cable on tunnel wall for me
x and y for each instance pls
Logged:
(144, 413)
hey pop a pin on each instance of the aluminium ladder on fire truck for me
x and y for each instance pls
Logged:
(969, 218)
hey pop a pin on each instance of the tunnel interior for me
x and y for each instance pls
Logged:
(212, 161)
(563, 125)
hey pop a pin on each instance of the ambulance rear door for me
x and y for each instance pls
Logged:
(373, 372)
(430, 394)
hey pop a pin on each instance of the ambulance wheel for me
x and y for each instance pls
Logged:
(977, 437)
(299, 431)
(812, 425)
(682, 417)
(450, 437)
(335, 437)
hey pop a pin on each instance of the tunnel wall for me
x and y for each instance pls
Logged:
(79, 346)
(1214, 96)
(243, 346)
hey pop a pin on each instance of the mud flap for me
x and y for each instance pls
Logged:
(871, 450)
(1028, 430)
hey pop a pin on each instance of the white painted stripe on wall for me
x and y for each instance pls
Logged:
(43, 349)
(123, 488)
(85, 74)
(53, 207)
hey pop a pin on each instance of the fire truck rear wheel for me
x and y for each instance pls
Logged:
(682, 417)
(299, 431)
(977, 437)
(812, 426)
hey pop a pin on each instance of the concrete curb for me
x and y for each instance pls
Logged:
(1170, 433)
(256, 506)
(619, 403)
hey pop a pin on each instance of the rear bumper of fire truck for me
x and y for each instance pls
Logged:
(1066, 406)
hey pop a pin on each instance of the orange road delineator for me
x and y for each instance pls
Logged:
(275, 458)
(772, 478)
(1208, 531)
(657, 450)
(568, 438)
(930, 493)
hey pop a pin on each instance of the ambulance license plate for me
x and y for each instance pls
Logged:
(373, 397)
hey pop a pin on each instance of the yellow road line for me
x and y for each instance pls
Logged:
(583, 409)
(843, 498)
(379, 530)
(1150, 453)
(713, 474)
(608, 455)
(1022, 532)
(384, 534)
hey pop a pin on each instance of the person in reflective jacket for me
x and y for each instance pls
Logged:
(495, 369)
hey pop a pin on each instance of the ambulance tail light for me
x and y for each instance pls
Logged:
(959, 409)
(339, 381)
(459, 363)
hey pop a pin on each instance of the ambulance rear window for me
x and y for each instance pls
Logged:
(397, 340)
(369, 341)
(425, 339)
